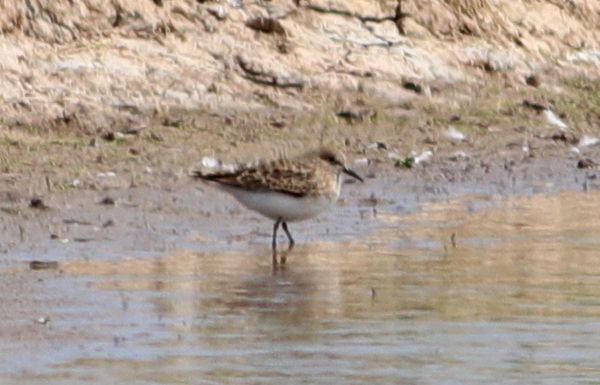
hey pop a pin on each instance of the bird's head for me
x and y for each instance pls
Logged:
(337, 160)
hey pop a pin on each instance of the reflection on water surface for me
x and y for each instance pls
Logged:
(514, 299)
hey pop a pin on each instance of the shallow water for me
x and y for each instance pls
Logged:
(474, 290)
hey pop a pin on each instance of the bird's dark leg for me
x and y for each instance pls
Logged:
(287, 232)
(274, 244)
(292, 243)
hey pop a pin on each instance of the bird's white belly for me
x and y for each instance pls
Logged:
(278, 205)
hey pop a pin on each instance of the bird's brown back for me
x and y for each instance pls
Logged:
(293, 177)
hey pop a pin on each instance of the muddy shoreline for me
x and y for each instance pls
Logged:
(184, 214)
(166, 221)
(163, 239)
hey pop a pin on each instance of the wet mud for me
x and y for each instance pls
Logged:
(423, 283)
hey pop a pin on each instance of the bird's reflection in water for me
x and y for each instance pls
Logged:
(243, 291)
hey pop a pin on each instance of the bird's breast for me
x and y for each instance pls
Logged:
(276, 205)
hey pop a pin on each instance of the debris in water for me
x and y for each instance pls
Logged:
(43, 265)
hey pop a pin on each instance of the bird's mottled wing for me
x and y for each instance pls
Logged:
(282, 176)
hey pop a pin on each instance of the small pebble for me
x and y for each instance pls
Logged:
(586, 163)
(42, 320)
(108, 201)
(37, 203)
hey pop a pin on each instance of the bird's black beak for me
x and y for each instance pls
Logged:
(346, 170)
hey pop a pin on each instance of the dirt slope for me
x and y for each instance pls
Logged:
(93, 64)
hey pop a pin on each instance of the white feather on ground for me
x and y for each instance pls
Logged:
(554, 120)
(453, 134)
(587, 141)
(424, 157)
